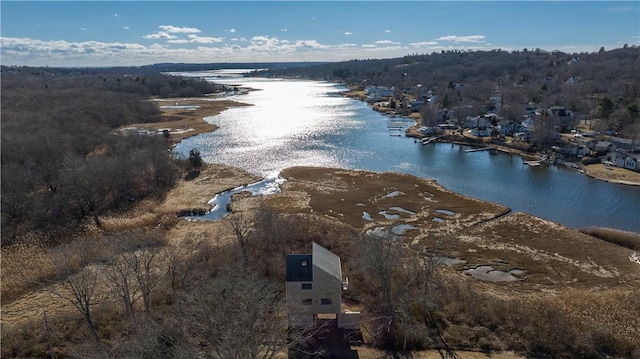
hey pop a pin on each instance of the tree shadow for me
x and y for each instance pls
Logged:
(330, 342)
(191, 175)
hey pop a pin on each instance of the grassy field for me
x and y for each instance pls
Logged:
(516, 284)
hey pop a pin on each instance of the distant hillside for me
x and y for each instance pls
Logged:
(171, 67)
(603, 85)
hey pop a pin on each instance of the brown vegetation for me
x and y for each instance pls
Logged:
(622, 238)
(180, 123)
(560, 305)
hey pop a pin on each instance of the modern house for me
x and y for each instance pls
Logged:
(314, 285)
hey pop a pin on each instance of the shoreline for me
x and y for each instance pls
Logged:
(183, 123)
(615, 175)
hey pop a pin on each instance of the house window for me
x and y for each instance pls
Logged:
(306, 285)
(307, 302)
(325, 301)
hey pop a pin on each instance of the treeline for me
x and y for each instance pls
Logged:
(174, 67)
(62, 160)
(603, 85)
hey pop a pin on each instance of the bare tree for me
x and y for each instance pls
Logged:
(381, 257)
(144, 263)
(402, 290)
(428, 115)
(544, 130)
(119, 273)
(238, 315)
(79, 282)
(242, 225)
(182, 260)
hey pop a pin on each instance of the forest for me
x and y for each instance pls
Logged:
(62, 161)
(601, 87)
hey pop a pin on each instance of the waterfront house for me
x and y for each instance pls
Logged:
(624, 159)
(509, 127)
(625, 143)
(600, 147)
(479, 122)
(377, 93)
(632, 162)
(314, 286)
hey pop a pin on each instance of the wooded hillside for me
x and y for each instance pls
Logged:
(61, 158)
(603, 85)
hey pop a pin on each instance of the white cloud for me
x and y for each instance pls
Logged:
(83, 29)
(622, 9)
(348, 33)
(387, 42)
(116, 15)
(284, 29)
(424, 43)
(387, 31)
(159, 35)
(195, 39)
(32, 52)
(125, 28)
(232, 30)
(180, 30)
(469, 38)
(309, 44)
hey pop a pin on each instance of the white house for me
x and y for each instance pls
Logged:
(624, 159)
(632, 162)
(314, 286)
(376, 93)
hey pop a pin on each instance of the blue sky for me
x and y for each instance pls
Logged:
(92, 33)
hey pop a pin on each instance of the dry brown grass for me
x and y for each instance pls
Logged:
(575, 286)
(344, 195)
(613, 174)
(178, 120)
(25, 266)
(604, 312)
(552, 257)
(142, 216)
(622, 238)
(195, 194)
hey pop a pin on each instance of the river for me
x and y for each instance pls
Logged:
(300, 122)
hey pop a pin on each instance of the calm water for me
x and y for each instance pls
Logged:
(308, 123)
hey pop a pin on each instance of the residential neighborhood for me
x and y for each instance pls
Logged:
(553, 130)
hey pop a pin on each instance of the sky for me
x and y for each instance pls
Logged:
(130, 33)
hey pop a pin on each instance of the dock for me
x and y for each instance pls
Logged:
(427, 140)
(533, 163)
(480, 149)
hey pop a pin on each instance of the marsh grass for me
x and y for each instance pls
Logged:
(575, 323)
(564, 320)
(25, 266)
(622, 238)
(127, 223)
(28, 266)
